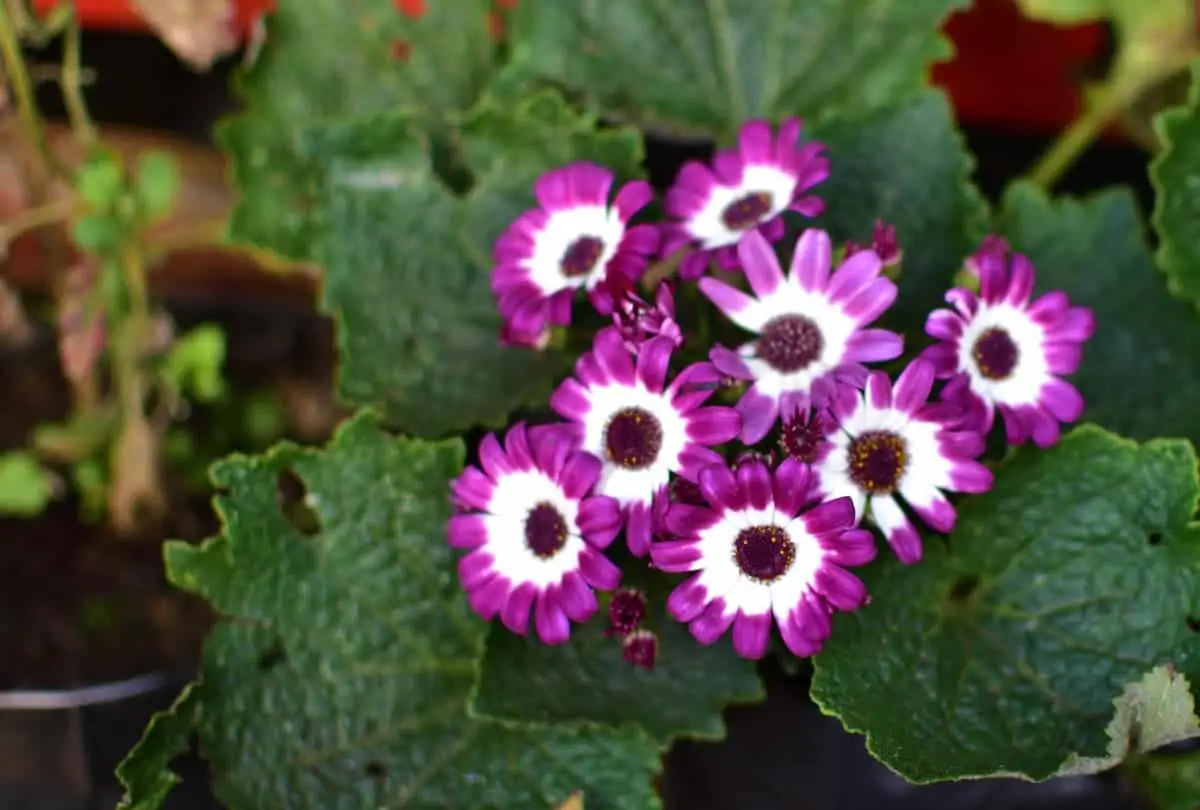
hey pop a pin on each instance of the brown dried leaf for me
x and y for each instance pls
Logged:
(573, 802)
(135, 495)
(80, 331)
(199, 31)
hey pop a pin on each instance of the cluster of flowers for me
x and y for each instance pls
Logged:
(766, 543)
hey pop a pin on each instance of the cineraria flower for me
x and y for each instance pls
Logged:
(643, 429)
(574, 239)
(883, 443)
(625, 612)
(1002, 352)
(883, 242)
(756, 557)
(810, 330)
(748, 188)
(802, 436)
(993, 248)
(535, 531)
(639, 321)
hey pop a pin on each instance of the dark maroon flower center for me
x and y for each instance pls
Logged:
(764, 553)
(581, 257)
(633, 439)
(746, 212)
(995, 354)
(789, 343)
(801, 437)
(877, 461)
(640, 648)
(545, 530)
(626, 611)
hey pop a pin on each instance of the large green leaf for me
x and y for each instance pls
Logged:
(340, 679)
(1169, 781)
(522, 680)
(708, 65)
(907, 164)
(145, 772)
(1175, 173)
(1141, 370)
(408, 263)
(327, 61)
(1003, 650)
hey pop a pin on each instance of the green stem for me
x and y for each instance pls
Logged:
(18, 76)
(1063, 153)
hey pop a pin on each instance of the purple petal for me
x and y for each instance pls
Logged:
(516, 611)
(812, 616)
(1045, 428)
(551, 622)
(610, 352)
(579, 473)
(713, 425)
(811, 260)
(852, 275)
(756, 143)
(578, 600)
(871, 301)
(751, 634)
(874, 346)
(720, 488)
(842, 589)
(466, 531)
(675, 556)
(754, 481)
(879, 390)
(600, 520)
(758, 415)
(792, 485)
(729, 300)
(1063, 358)
(850, 548)
(488, 599)
(472, 489)
(1021, 280)
(936, 512)
(639, 528)
(491, 456)
(970, 476)
(476, 570)
(570, 400)
(550, 450)
(695, 264)
(632, 197)
(712, 623)
(598, 571)
(759, 263)
(914, 386)
(905, 543)
(798, 637)
(835, 515)
(729, 363)
(943, 324)
(687, 601)
(1062, 400)
(652, 362)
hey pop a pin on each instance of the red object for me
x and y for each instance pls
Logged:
(1008, 72)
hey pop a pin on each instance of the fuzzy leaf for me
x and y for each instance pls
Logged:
(329, 61)
(1141, 371)
(1175, 173)
(708, 65)
(342, 677)
(909, 165)
(408, 263)
(1001, 652)
(145, 772)
(1154, 711)
(587, 679)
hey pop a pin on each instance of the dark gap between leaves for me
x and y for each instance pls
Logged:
(962, 587)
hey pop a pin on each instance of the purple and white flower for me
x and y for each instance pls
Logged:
(757, 557)
(883, 443)
(747, 189)
(643, 429)
(1000, 351)
(573, 239)
(810, 326)
(534, 531)
(883, 242)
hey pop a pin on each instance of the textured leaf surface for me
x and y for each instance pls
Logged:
(408, 263)
(145, 772)
(328, 61)
(341, 679)
(587, 679)
(1072, 578)
(1169, 781)
(708, 65)
(1175, 173)
(1154, 711)
(1141, 370)
(908, 165)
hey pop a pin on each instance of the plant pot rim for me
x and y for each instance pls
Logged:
(81, 697)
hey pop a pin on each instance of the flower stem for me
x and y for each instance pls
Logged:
(18, 77)
(31, 218)
(1063, 153)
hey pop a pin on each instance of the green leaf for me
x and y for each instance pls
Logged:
(145, 771)
(1154, 711)
(408, 264)
(1169, 781)
(587, 679)
(1141, 371)
(26, 487)
(341, 679)
(330, 61)
(97, 233)
(1175, 173)
(909, 165)
(1001, 652)
(708, 65)
(195, 362)
(156, 183)
(100, 181)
